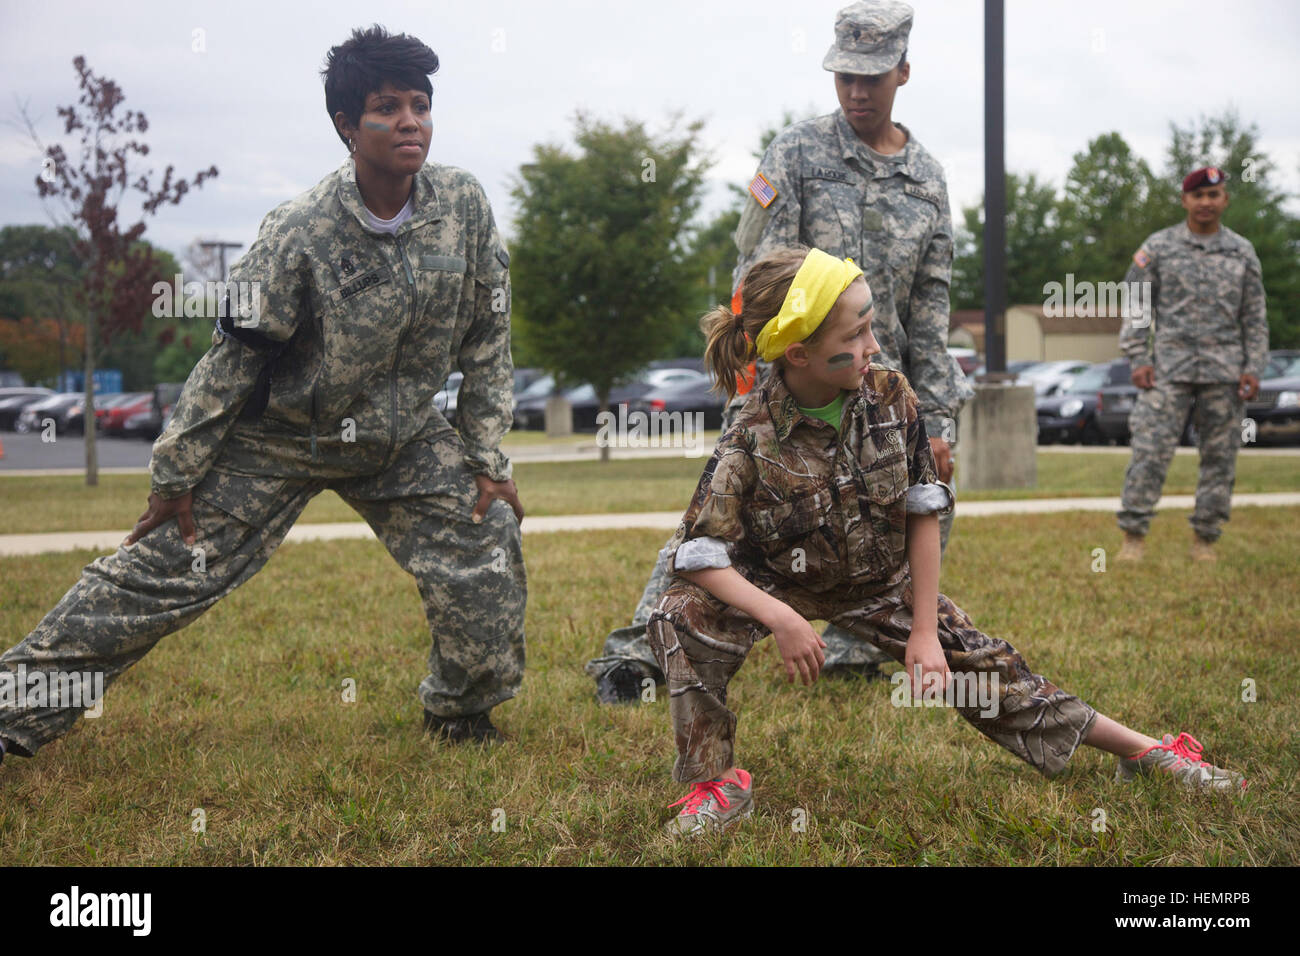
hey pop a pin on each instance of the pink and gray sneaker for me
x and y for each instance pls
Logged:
(1180, 756)
(713, 805)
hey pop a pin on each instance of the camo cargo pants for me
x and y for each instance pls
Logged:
(700, 643)
(1156, 425)
(470, 576)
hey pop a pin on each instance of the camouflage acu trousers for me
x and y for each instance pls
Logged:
(1156, 425)
(628, 645)
(470, 576)
(700, 643)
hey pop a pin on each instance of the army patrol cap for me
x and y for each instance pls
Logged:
(870, 38)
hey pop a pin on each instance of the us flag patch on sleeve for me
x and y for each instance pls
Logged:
(762, 190)
(1141, 258)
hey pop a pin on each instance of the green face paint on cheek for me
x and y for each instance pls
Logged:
(427, 123)
(377, 127)
(842, 360)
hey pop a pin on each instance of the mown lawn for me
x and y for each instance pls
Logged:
(64, 503)
(241, 716)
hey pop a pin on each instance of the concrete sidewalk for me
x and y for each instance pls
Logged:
(589, 451)
(106, 541)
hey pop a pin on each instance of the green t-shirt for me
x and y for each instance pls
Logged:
(830, 414)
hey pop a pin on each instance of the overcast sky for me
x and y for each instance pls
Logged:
(513, 74)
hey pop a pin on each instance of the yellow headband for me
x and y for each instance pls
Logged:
(818, 283)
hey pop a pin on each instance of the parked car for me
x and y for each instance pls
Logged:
(1115, 405)
(525, 377)
(148, 424)
(143, 424)
(1048, 378)
(1276, 409)
(1279, 360)
(693, 362)
(103, 402)
(685, 397)
(14, 400)
(113, 421)
(530, 405)
(967, 359)
(1070, 416)
(1014, 368)
(55, 407)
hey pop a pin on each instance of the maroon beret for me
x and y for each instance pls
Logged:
(1205, 176)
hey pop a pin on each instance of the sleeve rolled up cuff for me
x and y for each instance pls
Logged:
(492, 463)
(699, 554)
(930, 499)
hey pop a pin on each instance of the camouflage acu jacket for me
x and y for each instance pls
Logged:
(799, 503)
(891, 215)
(1207, 307)
(354, 333)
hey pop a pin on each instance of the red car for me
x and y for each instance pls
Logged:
(113, 420)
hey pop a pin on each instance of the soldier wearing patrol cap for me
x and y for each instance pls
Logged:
(853, 183)
(1198, 348)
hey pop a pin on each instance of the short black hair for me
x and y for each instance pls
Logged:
(371, 58)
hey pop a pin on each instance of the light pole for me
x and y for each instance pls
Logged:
(221, 248)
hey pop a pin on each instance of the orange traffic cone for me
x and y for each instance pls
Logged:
(2, 448)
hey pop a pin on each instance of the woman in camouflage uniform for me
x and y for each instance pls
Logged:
(371, 286)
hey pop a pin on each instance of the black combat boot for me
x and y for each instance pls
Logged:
(472, 728)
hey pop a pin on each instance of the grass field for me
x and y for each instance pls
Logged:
(64, 503)
(241, 716)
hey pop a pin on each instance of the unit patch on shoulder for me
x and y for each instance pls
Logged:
(913, 190)
(762, 190)
(1141, 258)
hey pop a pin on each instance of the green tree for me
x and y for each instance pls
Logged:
(600, 265)
(712, 260)
(39, 276)
(714, 254)
(1037, 244)
(1112, 202)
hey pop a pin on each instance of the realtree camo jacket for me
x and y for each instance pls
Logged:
(1207, 307)
(891, 215)
(354, 334)
(798, 503)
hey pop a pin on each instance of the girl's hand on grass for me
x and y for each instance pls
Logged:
(924, 657)
(800, 647)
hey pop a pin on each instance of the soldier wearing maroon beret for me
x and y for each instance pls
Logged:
(1198, 347)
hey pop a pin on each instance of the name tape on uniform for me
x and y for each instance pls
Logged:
(925, 194)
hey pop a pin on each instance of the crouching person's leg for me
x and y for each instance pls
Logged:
(127, 601)
(470, 575)
(992, 686)
(700, 643)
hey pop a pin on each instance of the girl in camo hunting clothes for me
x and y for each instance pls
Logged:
(821, 503)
